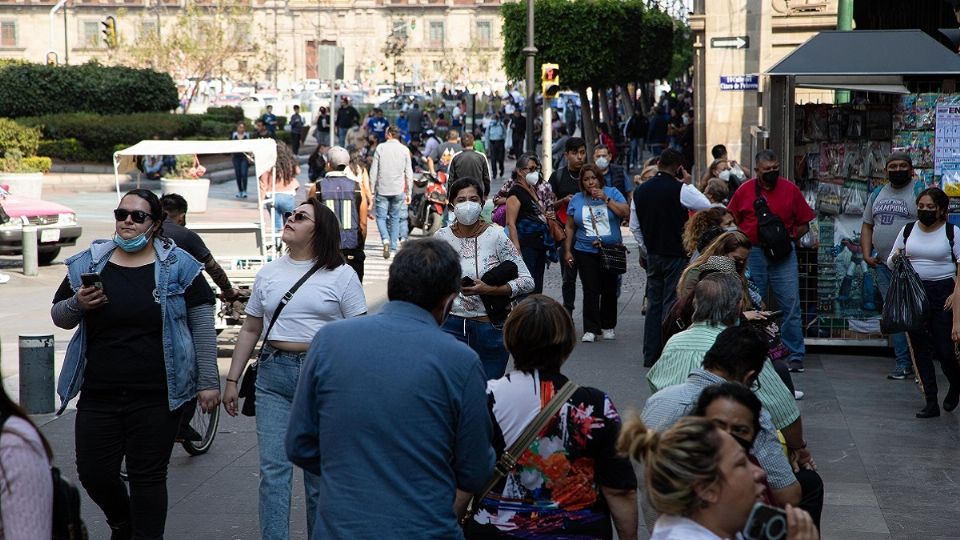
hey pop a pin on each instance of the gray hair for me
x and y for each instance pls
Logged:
(766, 155)
(716, 299)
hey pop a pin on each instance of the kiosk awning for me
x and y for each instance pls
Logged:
(872, 60)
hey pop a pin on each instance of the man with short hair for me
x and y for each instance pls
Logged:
(415, 121)
(657, 132)
(662, 205)
(470, 163)
(261, 130)
(518, 129)
(785, 201)
(347, 117)
(737, 176)
(270, 121)
(635, 130)
(496, 139)
(391, 178)
(344, 194)
(439, 159)
(614, 175)
(377, 125)
(888, 209)
(411, 478)
(565, 183)
(296, 130)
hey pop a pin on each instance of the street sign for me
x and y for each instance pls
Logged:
(739, 82)
(733, 42)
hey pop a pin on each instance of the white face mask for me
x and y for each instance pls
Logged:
(724, 175)
(467, 212)
(603, 163)
(532, 178)
(731, 228)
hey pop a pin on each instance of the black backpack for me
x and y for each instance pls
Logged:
(775, 241)
(67, 523)
(908, 228)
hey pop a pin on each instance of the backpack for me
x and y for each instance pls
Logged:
(775, 241)
(342, 195)
(67, 523)
(908, 228)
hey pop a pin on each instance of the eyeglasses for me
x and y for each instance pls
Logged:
(297, 216)
(138, 216)
(755, 385)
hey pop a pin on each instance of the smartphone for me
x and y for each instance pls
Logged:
(680, 172)
(91, 279)
(467, 282)
(765, 523)
(774, 314)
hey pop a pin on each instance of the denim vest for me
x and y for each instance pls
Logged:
(174, 271)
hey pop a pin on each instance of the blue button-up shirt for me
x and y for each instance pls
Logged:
(391, 412)
(664, 408)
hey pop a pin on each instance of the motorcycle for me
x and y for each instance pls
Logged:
(428, 200)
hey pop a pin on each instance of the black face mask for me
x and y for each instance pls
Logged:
(770, 178)
(927, 217)
(899, 178)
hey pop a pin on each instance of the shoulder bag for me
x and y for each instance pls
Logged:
(248, 383)
(613, 257)
(775, 241)
(508, 460)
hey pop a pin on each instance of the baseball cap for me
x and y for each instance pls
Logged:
(900, 156)
(337, 156)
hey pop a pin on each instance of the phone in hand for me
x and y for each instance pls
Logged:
(467, 282)
(91, 279)
(765, 523)
(680, 172)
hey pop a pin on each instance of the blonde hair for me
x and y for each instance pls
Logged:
(722, 246)
(648, 168)
(675, 462)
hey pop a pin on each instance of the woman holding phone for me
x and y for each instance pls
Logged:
(131, 402)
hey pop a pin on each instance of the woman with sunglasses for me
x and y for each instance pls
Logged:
(529, 206)
(145, 346)
(331, 292)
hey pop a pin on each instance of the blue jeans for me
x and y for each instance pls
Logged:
(404, 221)
(485, 339)
(241, 169)
(901, 351)
(663, 274)
(388, 218)
(342, 136)
(636, 152)
(276, 383)
(282, 202)
(784, 280)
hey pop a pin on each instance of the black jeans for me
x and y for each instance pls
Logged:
(663, 273)
(599, 293)
(517, 147)
(536, 259)
(811, 494)
(934, 341)
(355, 258)
(568, 278)
(111, 425)
(497, 150)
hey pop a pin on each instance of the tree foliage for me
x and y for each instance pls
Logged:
(602, 42)
(394, 51)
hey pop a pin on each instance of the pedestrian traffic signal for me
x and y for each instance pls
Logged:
(52, 59)
(550, 80)
(110, 31)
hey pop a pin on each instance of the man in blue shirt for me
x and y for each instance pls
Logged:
(377, 125)
(270, 121)
(391, 412)
(614, 175)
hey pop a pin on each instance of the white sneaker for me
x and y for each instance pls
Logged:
(589, 337)
(797, 395)
(609, 335)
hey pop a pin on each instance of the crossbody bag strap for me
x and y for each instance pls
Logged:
(286, 299)
(508, 460)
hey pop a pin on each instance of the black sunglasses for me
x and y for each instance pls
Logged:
(297, 216)
(138, 216)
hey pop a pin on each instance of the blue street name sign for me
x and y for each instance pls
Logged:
(739, 82)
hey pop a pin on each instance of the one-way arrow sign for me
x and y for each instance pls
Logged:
(735, 42)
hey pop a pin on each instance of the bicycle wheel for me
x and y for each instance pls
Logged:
(206, 425)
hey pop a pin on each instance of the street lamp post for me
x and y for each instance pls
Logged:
(530, 51)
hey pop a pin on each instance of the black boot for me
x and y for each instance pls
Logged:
(953, 398)
(931, 410)
(120, 531)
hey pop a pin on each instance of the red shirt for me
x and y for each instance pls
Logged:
(786, 201)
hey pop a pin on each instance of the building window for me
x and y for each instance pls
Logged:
(399, 29)
(484, 36)
(148, 29)
(8, 34)
(435, 40)
(90, 34)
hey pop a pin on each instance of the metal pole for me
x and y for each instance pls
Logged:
(844, 23)
(28, 240)
(531, 51)
(66, 49)
(333, 107)
(53, 13)
(276, 49)
(36, 373)
(547, 163)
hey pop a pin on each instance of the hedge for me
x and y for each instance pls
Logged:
(39, 89)
(225, 114)
(22, 139)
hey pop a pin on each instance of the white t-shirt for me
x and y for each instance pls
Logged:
(328, 295)
(929, 252)
(681, 528)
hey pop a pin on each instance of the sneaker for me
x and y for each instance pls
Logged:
(796, 367)
(239, 195)
(589, 337)
(900, 374)
(386, 251)
(797, 395)
(609, 335)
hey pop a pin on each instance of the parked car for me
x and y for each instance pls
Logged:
(57, 226)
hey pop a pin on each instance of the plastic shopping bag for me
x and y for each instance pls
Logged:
(906, 306)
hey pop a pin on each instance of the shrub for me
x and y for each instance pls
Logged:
(225, 114)
(64, 149)
(21, 139)
(39, 89)
(216, 129)
(36, 164)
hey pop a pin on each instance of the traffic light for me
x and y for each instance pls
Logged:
(110, 31)
(52, 59)
(550, 80)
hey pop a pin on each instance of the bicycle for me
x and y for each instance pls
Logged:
(205, 424)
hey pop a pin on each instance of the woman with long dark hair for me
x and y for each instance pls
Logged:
(145, 346)
(331, 292)
(529, 205)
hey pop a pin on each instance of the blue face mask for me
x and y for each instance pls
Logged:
(132, 245)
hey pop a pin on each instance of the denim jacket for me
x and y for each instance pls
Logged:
(174, 271)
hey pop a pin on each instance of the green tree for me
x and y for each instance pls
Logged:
(394, 50)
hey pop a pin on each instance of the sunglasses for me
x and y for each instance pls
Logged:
(138, 216)
(297, 216)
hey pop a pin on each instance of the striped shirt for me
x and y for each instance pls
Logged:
(664, 408)
(684, 352)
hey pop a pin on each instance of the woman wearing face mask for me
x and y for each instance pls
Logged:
(145, 347)
(486, 256)
(932, 246)
(529, 206)
(719, 168)
(703, 221)
(594, 217)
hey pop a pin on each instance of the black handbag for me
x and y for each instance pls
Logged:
(248, 383)
(613, 257)
(775, 241)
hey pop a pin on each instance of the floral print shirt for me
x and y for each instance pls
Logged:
(554, 491)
